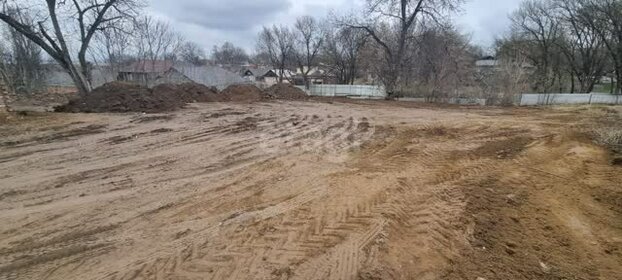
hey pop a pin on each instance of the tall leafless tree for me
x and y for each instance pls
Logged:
(20, 62)
(391, 23)
(604, 17)
(113, 47)
(584, 50)
(229, 54)
(536, 23)
(277, 43)
(309, 37)
(341, 52)
(192, 53)
(443, 61)
(90, 16)
(156, 40)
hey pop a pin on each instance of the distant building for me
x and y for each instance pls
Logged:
(145, 72)
(260, 75)
(491, 64)
(151, 73)
(488, 62)
(317, 75)
(265, 76)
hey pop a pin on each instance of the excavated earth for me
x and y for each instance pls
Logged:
(310, 190)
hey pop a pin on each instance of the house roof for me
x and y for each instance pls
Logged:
(286, 73)
(258, 72)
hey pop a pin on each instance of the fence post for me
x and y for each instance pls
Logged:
(590, 102)
(547, 99)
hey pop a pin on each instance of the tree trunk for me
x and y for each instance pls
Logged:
(591, 86)
(4, 98)
(305, 81)
(82, 84)
(281, 70)
(572, 83)
(352, 74)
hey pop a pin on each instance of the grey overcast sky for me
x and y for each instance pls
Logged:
(212, 22)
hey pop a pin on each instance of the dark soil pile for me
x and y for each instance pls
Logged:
(285, 91)
(127, 97)
(124, 97)
(193, 92)
(243, 93)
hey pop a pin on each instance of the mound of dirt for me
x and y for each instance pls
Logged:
(126, 97)
(193, 92)
(243, 93)
(190, 92)
(285, 91)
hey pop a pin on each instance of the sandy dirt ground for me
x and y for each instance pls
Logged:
(310, 190)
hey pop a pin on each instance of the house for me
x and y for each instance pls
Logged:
(260, 74)
(491, 63)
(316, 75)
(145, 72)
(264, 76)
(487, 63)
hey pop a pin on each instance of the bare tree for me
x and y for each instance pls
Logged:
(583, 48)
(192, 53)
(20, 64)
(90, 17)
(443, 61)
(260, 58)
(156, 40)
(511, 80)
(113, 46)
(536, 23)
(342, 50)
(391, 24)
(277, 43)
(604, 17)
(309, 39)
(229, 54)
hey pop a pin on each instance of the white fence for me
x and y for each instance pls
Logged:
(453, 100)
(360, 91)
(529, 99)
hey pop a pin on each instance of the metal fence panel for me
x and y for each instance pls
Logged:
(363, 91)
(530, 99)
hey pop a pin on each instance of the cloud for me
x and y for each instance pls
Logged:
(212, 22)
(486, 19)
(221, 15)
